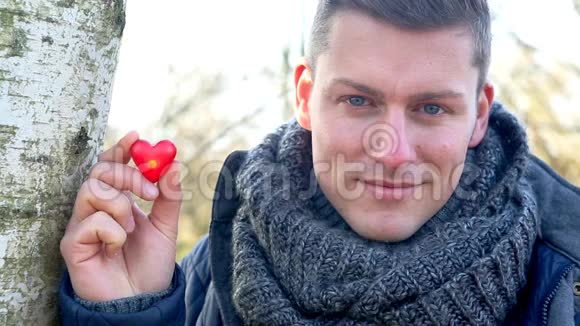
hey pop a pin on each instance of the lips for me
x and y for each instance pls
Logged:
(389, 190)
(390, 184)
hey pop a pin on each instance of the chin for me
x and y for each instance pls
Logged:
(389, 237)
(383, 229)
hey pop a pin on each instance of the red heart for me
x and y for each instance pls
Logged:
(153, 161)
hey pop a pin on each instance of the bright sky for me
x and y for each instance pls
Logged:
(241, 38)
(551, 26)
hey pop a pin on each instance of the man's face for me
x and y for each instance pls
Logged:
(392, 114)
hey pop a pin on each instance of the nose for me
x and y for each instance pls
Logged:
(388, 140)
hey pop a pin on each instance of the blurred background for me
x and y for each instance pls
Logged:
(215, 76)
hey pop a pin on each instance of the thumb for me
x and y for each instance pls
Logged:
(165, 211)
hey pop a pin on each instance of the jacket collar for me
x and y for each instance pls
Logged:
(225, 205)
(558, 209)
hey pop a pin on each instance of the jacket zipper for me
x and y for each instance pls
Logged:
(552, 294)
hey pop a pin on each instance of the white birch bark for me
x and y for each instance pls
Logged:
(57, 59)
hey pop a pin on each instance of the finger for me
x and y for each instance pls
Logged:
(124, 177)
(129, 196)
(138, 213)
(87, 238)
(165, 211)
(95, 196)
(120, 151)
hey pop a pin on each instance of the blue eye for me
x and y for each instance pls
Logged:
(356, 101)
(432, 109)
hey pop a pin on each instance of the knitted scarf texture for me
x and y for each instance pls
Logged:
(296, 261)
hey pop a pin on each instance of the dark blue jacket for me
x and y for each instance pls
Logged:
(203, 277)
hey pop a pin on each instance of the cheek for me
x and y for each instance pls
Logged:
(445, 153)
(451, 152)
(445, 144)
(333, 137)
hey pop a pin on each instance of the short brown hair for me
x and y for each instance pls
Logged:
(414, 15)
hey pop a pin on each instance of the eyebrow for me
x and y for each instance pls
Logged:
(424, 96)
(358, 86)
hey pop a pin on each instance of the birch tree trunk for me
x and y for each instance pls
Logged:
(57, 59)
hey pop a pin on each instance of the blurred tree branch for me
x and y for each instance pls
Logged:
(529, 87)
(224, 132)
(207, 88)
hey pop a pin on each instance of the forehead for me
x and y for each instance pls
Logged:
(364, 47)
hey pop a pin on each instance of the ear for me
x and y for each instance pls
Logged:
(303, 84)
(484, 103)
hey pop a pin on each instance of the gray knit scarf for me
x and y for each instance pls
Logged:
(296, 262)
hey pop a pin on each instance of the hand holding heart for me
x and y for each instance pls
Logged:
(153, 161)
(112, 249)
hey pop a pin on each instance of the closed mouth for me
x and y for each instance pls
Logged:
(390, 184)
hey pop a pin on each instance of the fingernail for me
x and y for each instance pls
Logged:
(113, 254)
(177, 174)
(131, 224)
(174, 177)
(151, 190)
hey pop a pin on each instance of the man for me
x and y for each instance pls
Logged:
(426, 206)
